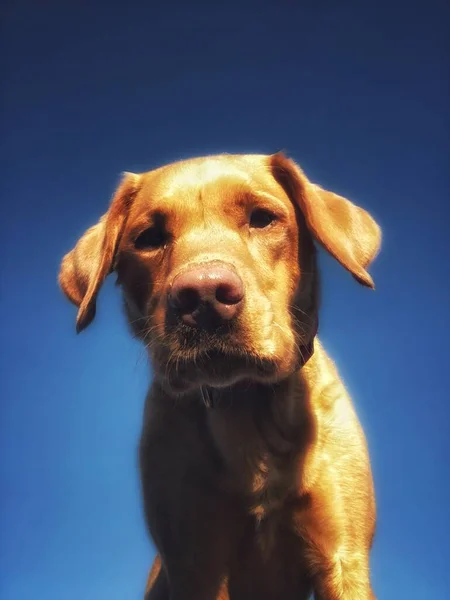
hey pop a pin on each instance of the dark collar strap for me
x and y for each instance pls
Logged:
(306, 351)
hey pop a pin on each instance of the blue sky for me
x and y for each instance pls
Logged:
(357, 92)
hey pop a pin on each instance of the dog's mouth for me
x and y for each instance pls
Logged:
(218, 363)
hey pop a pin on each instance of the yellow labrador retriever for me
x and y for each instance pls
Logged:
(255, 473)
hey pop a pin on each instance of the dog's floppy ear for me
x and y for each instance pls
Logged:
(84, 268)
(346, 231)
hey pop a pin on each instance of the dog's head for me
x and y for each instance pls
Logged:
(216, 261)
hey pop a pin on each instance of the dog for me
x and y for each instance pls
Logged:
(255, 473)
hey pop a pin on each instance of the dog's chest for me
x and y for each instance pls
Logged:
(261, 464)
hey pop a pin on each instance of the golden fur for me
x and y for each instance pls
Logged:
(255, 473)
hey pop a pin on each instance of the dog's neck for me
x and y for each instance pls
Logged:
(256, 433)
(260, 433)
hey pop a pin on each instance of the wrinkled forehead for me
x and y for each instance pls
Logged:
(210, 179)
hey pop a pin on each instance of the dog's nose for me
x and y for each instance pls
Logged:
(207, 296)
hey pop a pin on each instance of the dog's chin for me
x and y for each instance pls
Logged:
(214, 369)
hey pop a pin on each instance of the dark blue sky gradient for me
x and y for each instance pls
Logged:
(358, 93)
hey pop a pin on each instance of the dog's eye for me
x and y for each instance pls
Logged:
(152, 238)
(261, 218)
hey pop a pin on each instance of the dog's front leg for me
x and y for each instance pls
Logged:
(344, 580)
(338, 530)
(192, 522)
(157, 587)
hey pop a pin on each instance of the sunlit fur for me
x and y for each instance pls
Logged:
(255, 472)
